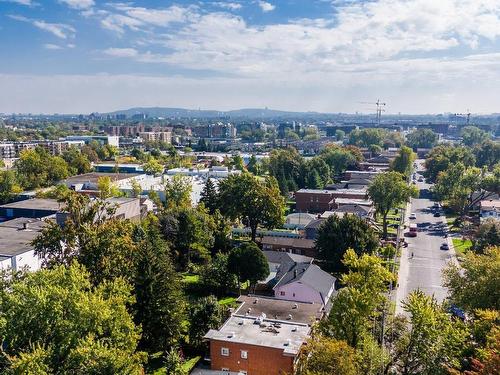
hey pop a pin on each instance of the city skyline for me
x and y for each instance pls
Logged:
(80, 56)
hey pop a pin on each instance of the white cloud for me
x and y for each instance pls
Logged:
(20, 2)
(78, 4)
(266, 7)
(52, 46)
(59, 30)
(121, 52)
(227, 5)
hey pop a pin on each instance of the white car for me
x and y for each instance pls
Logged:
(413, 216)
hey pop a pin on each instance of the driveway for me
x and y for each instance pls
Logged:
(422, 262)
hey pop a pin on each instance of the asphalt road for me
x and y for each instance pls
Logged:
(422, 261)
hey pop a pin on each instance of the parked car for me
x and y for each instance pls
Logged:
(444, 246)
(413, 216)
(421, 179)
(411, 234)
(437, 214)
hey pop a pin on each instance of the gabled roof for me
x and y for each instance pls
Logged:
(354, 208)
(284, 257)
(310, 275)
(315, 224)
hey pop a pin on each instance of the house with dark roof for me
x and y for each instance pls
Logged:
(301, 246)
(295, 278)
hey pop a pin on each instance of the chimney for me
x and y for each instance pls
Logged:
(294, 273)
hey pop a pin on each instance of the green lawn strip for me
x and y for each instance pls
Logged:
(190, 278)
(227, 301)
(461, 246)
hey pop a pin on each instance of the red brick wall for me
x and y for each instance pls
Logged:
(260, 360)
(320, 203)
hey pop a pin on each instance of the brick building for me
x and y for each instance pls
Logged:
(314, 200)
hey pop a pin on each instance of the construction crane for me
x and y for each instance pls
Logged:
(380, 109)
(467, 115)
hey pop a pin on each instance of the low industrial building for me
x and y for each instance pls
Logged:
(30, 208)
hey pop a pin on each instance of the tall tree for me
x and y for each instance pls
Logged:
(78, 162)
(337, 235)
(253, 201)
(205, 314)
(356, 306)
(403, 163)
(159, 307)
(209, 196)
(432, 343)
(441, 157)
(248, 262)
(9, 187)
(178, 190)
(487, 234)
(487, 154)
(388, 190)
(253, 165)
(153, 167)
(326, 356)
(472, 135)
(216, 278)
(422, 138)
(474, 285)
(339, 159)
(56, 322)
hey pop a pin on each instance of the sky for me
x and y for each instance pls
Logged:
(82, 56)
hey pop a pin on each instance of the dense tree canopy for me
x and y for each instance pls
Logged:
(56, 322)
(487, 234)
(487, 154)
(9, 186)
(248, 262)
(403, 163)
(474, 285)
(422, 138)
(441, 157)
(326, 356)
(387, 191)
(338, 234)
(253, 201)
(472, 135)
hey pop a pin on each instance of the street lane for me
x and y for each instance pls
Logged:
(423, 270)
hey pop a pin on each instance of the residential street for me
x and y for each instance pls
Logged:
(422, 261)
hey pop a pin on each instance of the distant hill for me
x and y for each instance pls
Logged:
(194, 113)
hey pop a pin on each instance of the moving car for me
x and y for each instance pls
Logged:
(413, 231)
(444, 246)
(413, 215)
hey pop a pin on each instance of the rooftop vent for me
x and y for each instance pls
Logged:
(256, 301)
(295, 306)
(230, 335)
(289, 317)
(288, 342)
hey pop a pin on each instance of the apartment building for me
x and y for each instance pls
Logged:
(163, 136)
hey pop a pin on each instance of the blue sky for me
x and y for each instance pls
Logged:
(420, 56)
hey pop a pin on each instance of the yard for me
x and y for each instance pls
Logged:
(461, 246)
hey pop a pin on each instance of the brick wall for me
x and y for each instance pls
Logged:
(260, 360)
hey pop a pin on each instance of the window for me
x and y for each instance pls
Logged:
(224, 352)
(244, 354)
(225, 369)
(294, 294)
(282, 293)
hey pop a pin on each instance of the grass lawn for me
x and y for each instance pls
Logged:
(461, 246)
(225, 301)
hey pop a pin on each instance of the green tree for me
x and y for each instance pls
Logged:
(339, 134)
(78, 162)
(9, 187)
(472, 135)
(326, 356)
(432, 343)
(285, 166)
(487, 154)
(248, 262)
(474, 285)
(107, 188)
(388, 190)
(367, 136)
(204, 314)
(337, 235)
(189, 233)
(340, 159)
(178, 190)
(159, 307)
(254, 165)
(153, 167)
(487, 234)
(56, 322)
(422, 138)
(216, 278)
(209, 196)
(356, 306)
(253, 201)
(403, 163)
(443, 156)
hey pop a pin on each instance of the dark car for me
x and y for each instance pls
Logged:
(437, 214)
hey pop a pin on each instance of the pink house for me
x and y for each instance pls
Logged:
(299, 280)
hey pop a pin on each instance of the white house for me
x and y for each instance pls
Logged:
(489, 209)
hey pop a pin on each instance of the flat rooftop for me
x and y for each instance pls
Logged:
(14, 239)
(268, 333)
(35, 204)
(278, 309)
(94, 176)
